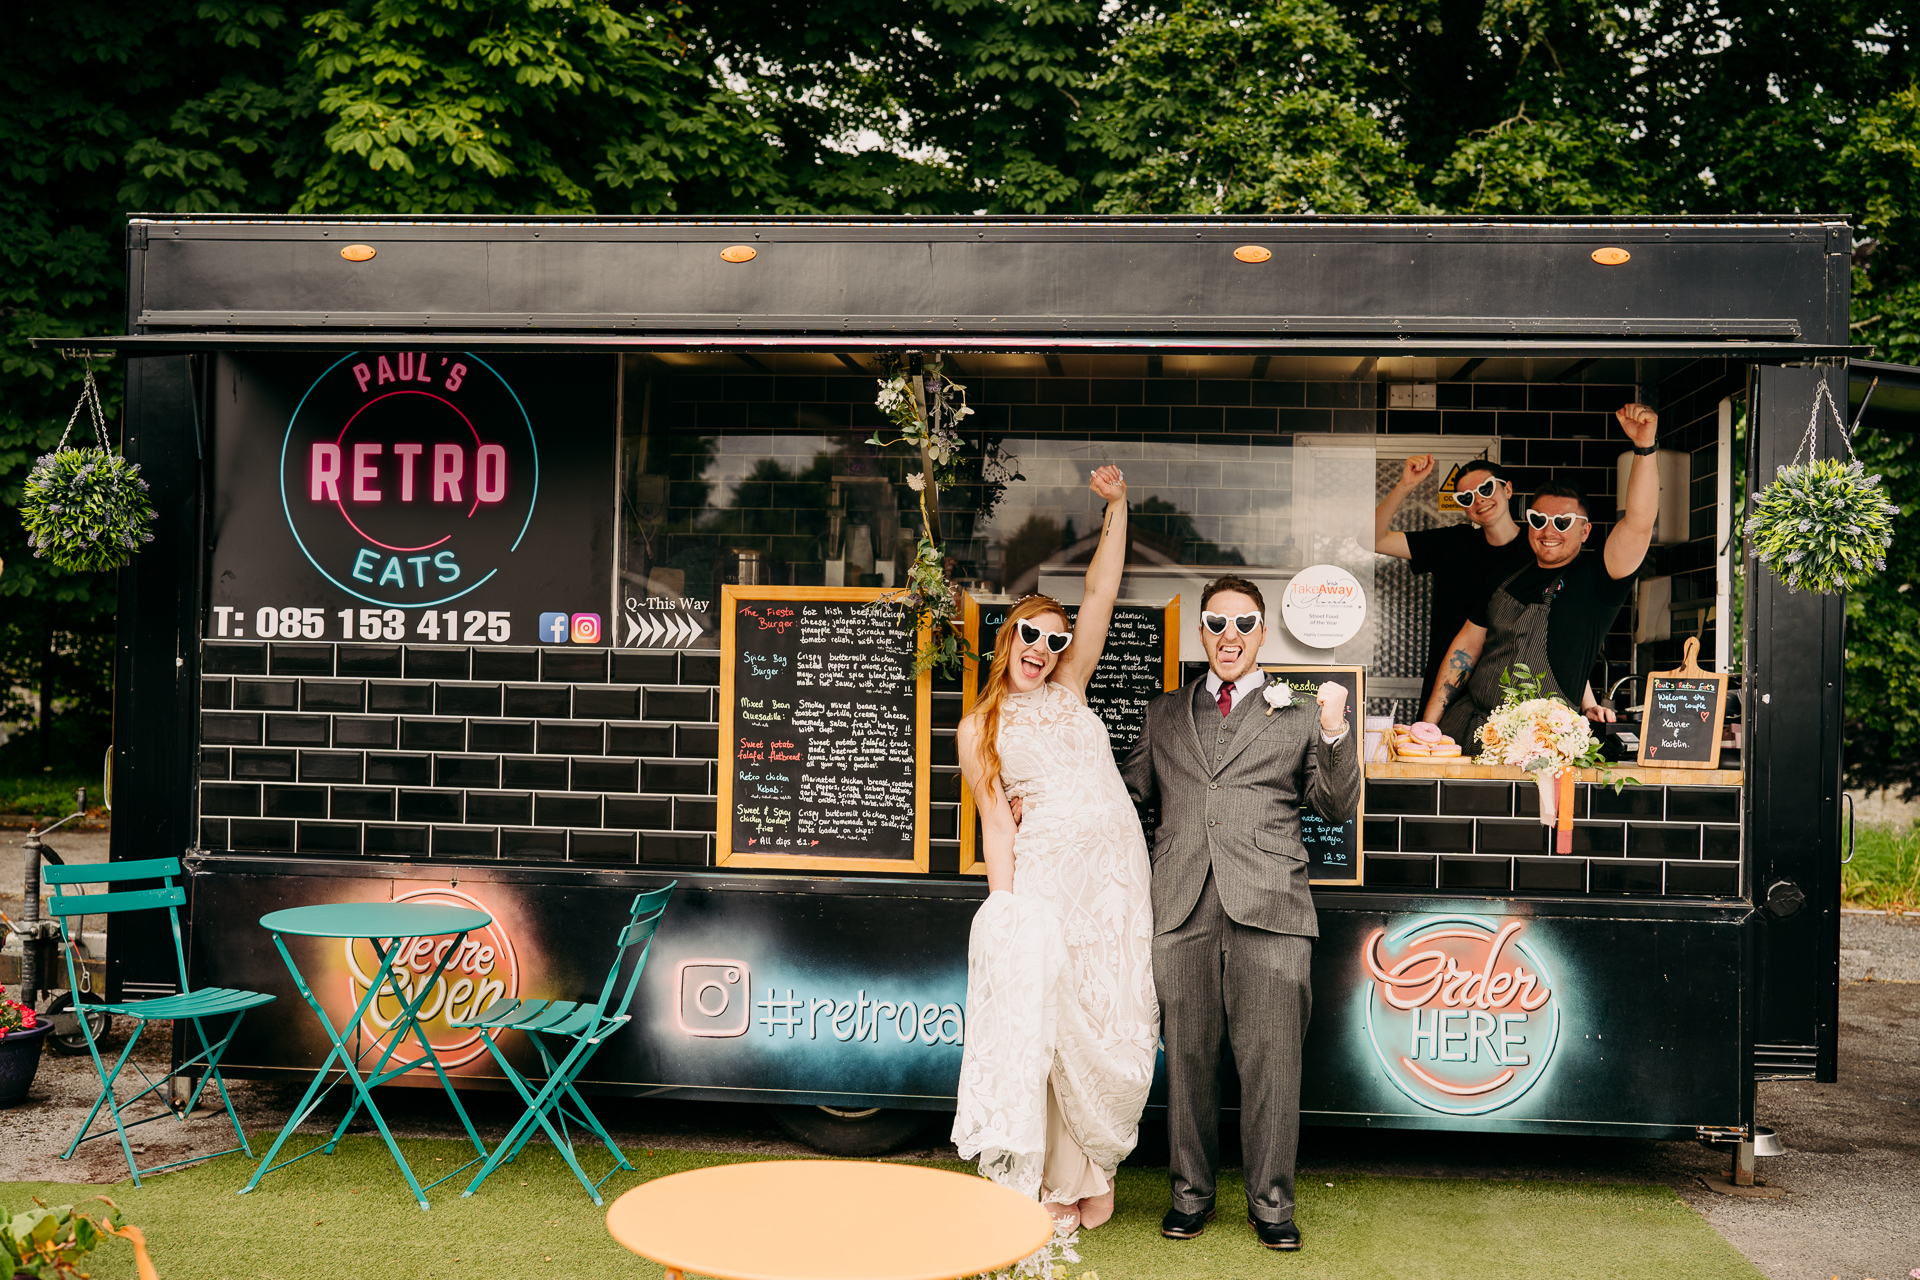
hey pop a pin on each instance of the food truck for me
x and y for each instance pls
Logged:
(534, 563)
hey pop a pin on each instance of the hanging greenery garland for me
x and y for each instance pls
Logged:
(1823, 525)
(86, 508)
(927, 407)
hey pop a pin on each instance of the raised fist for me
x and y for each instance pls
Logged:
(1333, 706)
(1640, 423)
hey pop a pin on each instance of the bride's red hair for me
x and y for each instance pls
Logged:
(997, 686)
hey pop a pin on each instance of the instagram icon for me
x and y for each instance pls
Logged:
(586, 628)
(715, 997)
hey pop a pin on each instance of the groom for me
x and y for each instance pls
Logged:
(1233, 920)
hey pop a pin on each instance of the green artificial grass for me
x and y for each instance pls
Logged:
(350, 1215)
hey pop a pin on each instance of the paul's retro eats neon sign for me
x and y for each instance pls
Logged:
(1460, 1012)
(408, 477)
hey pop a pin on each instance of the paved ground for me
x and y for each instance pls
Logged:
(1851, 1208)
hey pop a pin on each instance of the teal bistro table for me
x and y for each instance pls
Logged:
(391, 923)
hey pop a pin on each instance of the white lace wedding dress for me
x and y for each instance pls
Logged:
(1062, 1021)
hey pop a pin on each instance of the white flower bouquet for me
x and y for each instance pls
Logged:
(1543, 734)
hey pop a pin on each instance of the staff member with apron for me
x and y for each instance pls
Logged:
(1553, 614)
(1466, 560)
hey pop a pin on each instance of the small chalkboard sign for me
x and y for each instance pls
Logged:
(1681, 718)
(1334, 855)
(1141, 661)
(824, 732)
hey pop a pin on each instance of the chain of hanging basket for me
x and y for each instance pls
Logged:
(86, 508)
(1823, 525)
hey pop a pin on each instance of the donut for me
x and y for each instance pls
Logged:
(1437, 752)
(1427, 732)
(1414, 749)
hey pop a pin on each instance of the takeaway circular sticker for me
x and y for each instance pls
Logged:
(409, 477)
(1461, 1011)
(1323, 606)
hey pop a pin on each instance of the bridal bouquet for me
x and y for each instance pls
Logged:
(1541, 733)
(1536, 731)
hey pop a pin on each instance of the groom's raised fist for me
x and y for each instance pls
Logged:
(1333, 706)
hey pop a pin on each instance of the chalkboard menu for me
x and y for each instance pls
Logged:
(824, 732)
(1139, 663)
(1680, 722)
(1333, 848)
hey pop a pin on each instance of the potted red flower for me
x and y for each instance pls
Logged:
(21, 1034)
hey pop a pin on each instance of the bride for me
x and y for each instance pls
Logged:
(1062, 1022)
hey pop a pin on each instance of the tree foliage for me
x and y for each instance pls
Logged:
(1243, 108)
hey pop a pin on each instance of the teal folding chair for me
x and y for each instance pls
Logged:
(587, 1026)
(193, 1006)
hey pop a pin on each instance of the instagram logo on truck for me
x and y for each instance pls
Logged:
(715, 997)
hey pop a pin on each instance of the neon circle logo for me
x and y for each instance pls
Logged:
(409, 477)
(1460, 1012)
(485, 969)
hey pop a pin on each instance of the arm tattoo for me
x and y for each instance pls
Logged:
(1106, 522)
(1459, 668)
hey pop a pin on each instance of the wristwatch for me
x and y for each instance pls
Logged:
(1652, 448)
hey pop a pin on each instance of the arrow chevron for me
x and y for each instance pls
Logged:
(670, 630)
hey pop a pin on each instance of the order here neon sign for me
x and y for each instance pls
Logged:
(1461, 1011)
(408, 477)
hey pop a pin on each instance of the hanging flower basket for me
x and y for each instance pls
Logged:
(86, 508)
(1823, 525)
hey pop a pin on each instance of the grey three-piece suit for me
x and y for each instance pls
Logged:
(1233, 920)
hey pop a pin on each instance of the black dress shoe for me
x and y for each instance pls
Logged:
(1184, 1226)
(1276, 1235)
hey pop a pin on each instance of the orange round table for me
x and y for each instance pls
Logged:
(827, 1220)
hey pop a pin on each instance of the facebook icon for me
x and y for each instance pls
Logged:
(553, 628)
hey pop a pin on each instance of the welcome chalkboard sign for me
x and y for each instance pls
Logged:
(1681, 718)
(1334, 855)
(824, 732)
(1140, 662)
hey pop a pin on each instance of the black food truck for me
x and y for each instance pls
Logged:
(531, 564)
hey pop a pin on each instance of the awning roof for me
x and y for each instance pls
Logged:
(1772, 351)
(1895, 405)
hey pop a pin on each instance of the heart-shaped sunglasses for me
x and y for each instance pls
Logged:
(1057, 641)
(1243, 623)
(1467, 497)
(1563, 522)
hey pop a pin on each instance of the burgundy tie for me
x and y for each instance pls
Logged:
(1226, 699)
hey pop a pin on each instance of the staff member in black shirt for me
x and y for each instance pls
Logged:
(1466, 560)
(1552, 615)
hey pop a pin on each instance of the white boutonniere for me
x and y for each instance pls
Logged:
(1278, 696)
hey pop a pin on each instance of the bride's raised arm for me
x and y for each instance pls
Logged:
(1103, 584)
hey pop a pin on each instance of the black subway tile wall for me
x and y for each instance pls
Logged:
(1623, 847)
(490, 753)
(449, 752)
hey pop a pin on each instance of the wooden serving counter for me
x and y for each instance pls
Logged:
(1645, 775)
